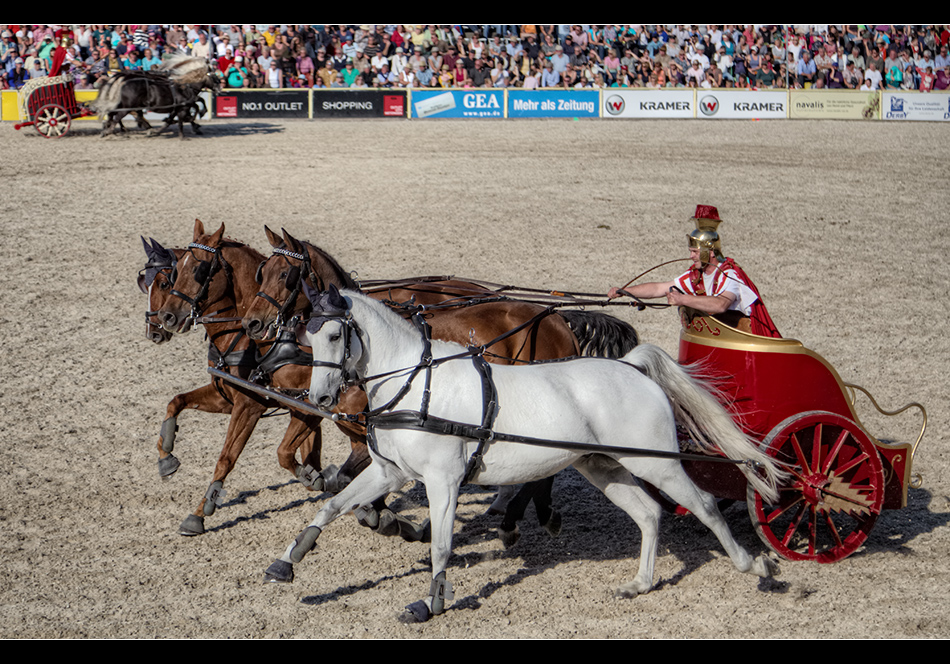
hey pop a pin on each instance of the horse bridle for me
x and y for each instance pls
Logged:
(204, 274)
(145, 284)
(296, 275)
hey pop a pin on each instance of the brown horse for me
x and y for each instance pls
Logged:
(214, 278)
(463, 312)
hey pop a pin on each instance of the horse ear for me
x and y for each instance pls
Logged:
(336, 300)
(292, 242)
(312, 295)
(199, 229)
(215, 238)
(273, 238)
(148, 253)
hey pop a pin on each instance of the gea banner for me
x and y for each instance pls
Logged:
(648, 103)
(458, 104)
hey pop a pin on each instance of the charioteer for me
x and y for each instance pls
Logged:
(714, 285)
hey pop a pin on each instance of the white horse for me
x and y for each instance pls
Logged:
(587, 400)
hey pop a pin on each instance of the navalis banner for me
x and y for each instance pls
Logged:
(834, 105)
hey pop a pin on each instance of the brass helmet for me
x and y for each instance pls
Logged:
(705, 237)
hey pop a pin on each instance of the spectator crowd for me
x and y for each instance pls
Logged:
(865, 57)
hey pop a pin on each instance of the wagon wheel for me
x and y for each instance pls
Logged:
(52, 121)
(829, 505)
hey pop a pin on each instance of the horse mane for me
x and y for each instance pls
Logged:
(185, 69)
(345, 279)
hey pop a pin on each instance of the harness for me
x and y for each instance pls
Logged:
(385, 417)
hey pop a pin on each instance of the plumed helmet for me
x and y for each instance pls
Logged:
(705, 237)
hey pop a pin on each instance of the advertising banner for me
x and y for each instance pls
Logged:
(359, 103)
(623, 103)
(834, 105)
(553, 103)
(458, 104)
(262, 104)
(926, 106)
(741, 104)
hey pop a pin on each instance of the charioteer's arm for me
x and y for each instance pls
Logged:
(708, 304)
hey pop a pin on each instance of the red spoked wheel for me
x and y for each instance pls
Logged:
(52, 121)
(827, 508)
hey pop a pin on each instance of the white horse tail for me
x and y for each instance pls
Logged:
(109, 95)
(708, 423)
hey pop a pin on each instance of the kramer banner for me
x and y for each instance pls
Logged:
(742, 104)
(648, 103)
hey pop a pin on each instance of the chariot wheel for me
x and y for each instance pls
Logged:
(827, 507)
(52, 121)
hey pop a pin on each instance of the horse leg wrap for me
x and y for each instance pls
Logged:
(214, 497)
(304, 543)
(441, 592)
(167, 434)
(311, 478)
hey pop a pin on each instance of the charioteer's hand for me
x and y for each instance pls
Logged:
(675, 297)
(614, 293)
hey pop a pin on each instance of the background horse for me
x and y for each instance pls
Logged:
(462, 312)
(216, 279)
(619, 407)
(173, 88)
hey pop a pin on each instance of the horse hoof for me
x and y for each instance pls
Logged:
(413, 532)
(279, 572)
(417, 612)
(765, 567)
(388, 525)
(631, 590)
(168, 466)
(509, 537)
(191, 526)
(553, 526)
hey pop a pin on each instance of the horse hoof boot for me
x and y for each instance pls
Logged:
(509, 537)
(168, 466)
(388, 525)
(279, 572)
(311, 478)
(417, 612)
(414, 532)
(553, 526)
(214, 497)
(304, 543)
(191, 526)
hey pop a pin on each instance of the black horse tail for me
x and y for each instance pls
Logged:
(599, 334)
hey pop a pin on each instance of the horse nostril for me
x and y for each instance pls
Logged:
(169, 319)
(254, 327)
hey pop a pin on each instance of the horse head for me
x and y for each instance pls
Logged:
(280, 278)
(335, 340)
(201, 279)
(155, 280)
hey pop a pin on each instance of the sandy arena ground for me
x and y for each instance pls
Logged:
(842, 225)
